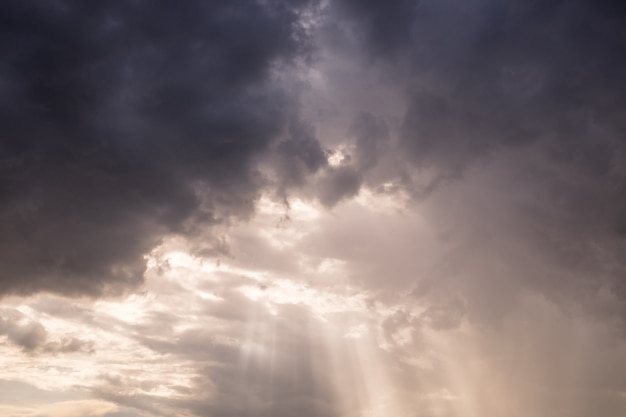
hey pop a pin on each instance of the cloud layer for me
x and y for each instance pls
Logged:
(124, 123)
(334, 208)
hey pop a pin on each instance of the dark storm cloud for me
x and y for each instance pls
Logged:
(338, 183)
(510, 74)
(486, 74)
(384, 27)
(123, 122)
(538, 84)
(371, 136)
(300, 156)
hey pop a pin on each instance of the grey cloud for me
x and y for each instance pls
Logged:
(530, 94)
(371, 136)
(142, 402)
(22, 331)
(223, 352)
(288, 384)
(507, 75)
(32, 337)
(251, 249)
(299, 156)
(385, 27)
(485, 75)
(445, 316)
(303, 168)
(384, 252)
(123, 123)
(338, 183)
(484, 288)
(128, 413)
(69, 345)
(267, 365)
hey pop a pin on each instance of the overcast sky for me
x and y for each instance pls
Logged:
(313, 208)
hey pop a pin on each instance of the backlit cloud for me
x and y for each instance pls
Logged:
(318, 208)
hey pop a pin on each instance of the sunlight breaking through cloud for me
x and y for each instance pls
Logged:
(312, 208)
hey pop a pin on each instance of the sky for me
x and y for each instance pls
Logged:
(314, 208)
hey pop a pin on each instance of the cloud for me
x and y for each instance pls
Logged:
(371, 136)
(299, 157)
(338, 184)
(22, 331)
(485, 75)
(33, 338)
(124, 123)
(384, 28)
(512, 103)
(70, 345)
(417, 207)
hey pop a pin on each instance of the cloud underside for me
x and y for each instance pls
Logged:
(125, 124)
(315, 208)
